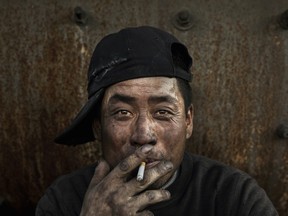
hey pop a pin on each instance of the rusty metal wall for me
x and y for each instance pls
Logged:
(240, 84)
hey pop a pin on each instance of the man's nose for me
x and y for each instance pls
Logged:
(143, 132)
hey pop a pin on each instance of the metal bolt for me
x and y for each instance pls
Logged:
(183, 17)
(282, 131)
(283, 20)
(80, 16)
(183, 20)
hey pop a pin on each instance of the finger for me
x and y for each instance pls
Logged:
(101, 171)
(158, 171)
(145, 213)
(132, 161)
(151, 175)
(150, 197)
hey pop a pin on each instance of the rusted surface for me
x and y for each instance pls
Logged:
(240, 85)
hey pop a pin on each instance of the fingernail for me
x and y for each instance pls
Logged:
(146, 148)
(168, 165)
(167, 193)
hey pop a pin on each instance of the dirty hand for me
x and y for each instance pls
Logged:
(109, 193)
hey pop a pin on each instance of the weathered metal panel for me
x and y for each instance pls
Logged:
(240, 85)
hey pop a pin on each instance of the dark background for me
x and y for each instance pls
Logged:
(240, 85)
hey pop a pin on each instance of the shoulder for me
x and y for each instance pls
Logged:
(217, 176)
(206, 166)
(66, 193)
(78, 177)
(240, 191)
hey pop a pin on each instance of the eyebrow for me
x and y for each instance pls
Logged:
(122, 98)
(160, 99)
(152, 99)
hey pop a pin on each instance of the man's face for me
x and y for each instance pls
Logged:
(145, 111)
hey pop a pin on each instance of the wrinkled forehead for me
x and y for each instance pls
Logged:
(143, 89)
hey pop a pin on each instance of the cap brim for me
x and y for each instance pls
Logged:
(81, 130)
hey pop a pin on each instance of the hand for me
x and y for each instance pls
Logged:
(109, 193)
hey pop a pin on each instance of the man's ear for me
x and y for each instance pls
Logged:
(189, 121)
(97, 130)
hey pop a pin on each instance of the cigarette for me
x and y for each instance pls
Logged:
(140, 174)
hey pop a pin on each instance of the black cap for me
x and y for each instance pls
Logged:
(128, 54)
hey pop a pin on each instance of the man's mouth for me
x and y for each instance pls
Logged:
(151, 163)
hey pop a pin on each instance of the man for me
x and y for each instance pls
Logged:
(140, 107)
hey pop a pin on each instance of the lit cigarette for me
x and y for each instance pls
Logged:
(140, 174)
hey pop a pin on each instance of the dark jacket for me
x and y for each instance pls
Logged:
(204, 187)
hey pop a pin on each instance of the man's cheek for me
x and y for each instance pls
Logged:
(170, 135)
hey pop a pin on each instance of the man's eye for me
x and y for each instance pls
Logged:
(162, 112)
(123, 112)
(123, 115)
